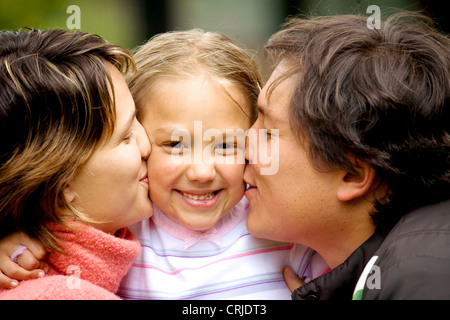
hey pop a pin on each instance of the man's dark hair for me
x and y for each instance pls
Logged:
(380, 96)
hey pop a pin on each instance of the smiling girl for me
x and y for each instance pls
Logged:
(196, 246)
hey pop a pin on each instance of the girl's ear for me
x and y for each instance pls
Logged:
(356, 185)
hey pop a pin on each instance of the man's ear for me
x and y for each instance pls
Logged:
(358, 184)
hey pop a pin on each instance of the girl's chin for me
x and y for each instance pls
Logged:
(200, 226)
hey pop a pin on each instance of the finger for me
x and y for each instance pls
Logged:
(14, 271)
(28, 261)
(35, 274)
(36, 249)
(292, 280)
(44, 266)
(6, 282)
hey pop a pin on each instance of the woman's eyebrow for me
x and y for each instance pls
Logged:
(131, 119)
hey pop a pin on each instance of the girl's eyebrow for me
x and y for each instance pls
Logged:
(168, 131)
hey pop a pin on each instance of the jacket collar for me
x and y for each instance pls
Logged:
(340, 282)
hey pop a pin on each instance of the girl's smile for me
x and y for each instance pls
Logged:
(200, 199)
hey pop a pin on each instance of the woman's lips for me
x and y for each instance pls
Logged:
(250, 191)
(144, 180)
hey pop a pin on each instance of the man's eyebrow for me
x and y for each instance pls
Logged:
(270, 118)
(263, 109)
(260, 109)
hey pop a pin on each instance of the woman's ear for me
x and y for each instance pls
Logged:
(358, 184)
(69, 194)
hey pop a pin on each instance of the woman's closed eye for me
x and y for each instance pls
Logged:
(128, 137)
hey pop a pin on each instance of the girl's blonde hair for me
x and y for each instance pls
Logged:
(192, 52)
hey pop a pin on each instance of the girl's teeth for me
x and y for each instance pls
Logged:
(206, 196)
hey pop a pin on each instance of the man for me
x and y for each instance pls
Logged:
(363, 121)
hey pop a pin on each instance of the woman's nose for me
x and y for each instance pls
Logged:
(143, 142)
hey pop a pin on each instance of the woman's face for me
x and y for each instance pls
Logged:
(112, 188)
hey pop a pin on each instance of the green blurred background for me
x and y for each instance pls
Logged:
(249, 22)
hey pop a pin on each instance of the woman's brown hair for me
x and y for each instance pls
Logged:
(55, 110)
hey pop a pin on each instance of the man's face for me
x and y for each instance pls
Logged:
(296, 203)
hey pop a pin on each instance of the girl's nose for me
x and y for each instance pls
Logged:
(201, 172)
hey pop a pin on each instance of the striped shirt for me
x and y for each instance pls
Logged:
(226, 263)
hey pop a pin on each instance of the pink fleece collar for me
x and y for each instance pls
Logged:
(93, 255)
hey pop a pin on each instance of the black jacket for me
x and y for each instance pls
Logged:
(413, 262)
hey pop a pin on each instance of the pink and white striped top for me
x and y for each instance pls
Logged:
(224, 263)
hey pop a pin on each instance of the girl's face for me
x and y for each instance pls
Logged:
(195, 182)
(112, 188)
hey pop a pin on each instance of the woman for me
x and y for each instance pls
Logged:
(73, 156)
